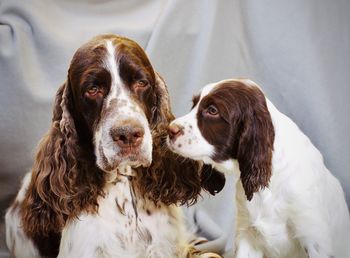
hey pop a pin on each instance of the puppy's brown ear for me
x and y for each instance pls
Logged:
(255, 144)
(212, 180)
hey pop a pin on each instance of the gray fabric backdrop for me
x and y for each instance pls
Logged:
(298, 51)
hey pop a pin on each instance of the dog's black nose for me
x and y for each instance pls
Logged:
(128, 135)
(175, 131)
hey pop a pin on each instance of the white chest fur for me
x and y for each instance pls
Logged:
(264, 222)
(126, 225)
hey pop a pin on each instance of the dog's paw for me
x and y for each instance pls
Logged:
(209, 255)
(194, 253)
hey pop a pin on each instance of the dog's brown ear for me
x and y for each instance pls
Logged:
(171, 179)
(255, 144)
(212, 180)
(64, 180)
(161, 112)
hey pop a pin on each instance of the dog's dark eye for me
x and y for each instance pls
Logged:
(141, 83)
(212, 111)
(92, 91)
(140, 86)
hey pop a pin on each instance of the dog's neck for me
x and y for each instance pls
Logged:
(124, 171)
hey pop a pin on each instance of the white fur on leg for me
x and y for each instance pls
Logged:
(19, 245)
(246, 250)
(315, 251)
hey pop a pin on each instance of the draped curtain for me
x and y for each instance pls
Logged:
(298, 51)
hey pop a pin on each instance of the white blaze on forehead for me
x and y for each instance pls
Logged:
(117, 89)
(112, 67)
(105, 148)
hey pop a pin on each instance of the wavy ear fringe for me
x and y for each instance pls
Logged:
(170, 178)
(162, 110)
(63, 180)
(255, 145)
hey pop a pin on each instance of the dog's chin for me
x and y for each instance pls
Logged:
(135, 161)
(132, 159)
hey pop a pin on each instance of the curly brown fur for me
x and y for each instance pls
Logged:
(65, 179)
(171, 178)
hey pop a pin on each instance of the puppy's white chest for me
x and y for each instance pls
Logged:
(264, 218)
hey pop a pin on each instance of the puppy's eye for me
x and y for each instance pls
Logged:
(92, 91)
(142, 83)
(211, 111)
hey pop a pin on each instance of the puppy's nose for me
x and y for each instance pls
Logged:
(128, 135)
(175, 131)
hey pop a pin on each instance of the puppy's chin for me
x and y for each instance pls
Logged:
(173, 146)
(227, 166)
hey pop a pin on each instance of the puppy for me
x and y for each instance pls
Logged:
(288, 203)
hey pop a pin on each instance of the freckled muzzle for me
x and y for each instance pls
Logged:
(124, 139)
(185, 139)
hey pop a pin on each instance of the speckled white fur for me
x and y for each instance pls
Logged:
(146, 230)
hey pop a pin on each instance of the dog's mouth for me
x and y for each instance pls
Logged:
(132, 161)
(175, 147)
(172, 146)
(134, 158)
(128, 156)
(170, 143)
(131, 157)
(130, 152)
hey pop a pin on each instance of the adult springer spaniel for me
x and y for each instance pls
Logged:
(104, 183)
(288, 203)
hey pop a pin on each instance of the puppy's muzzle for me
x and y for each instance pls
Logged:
(174, 131)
